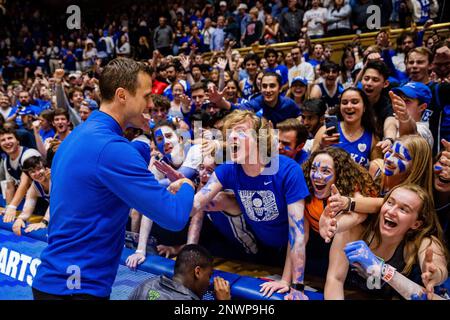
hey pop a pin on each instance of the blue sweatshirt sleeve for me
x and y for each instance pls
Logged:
(123, 171)
(253, 105)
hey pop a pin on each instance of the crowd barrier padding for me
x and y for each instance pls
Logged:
(20, 257)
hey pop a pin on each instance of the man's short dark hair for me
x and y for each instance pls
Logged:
(31, 163)
(73, 90)
(272, 74)
(161, 101)
(316, 106)
(121, 73)
(61, 112)
(380, 66)
(205, 67)
(251, 57)
(327, 66)
(196, 66)
(198, 86)
(191, 256)
(270, 51)
(161, 67)
(47, 114)
(9, 130)
(295, 125)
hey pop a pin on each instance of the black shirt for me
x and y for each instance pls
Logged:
(382, 109)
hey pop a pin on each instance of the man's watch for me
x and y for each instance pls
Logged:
(298, 286)
(44, 222)
(390, 139)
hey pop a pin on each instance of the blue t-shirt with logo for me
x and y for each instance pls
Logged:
(264, 199)
(360, 149)
(282, 71)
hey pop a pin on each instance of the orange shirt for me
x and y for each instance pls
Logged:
(313, 212)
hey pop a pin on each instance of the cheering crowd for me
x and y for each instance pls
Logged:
(320, 168)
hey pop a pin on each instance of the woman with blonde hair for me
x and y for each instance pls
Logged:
(402, 247)
(409, 161)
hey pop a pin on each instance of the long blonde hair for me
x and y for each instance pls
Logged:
(429, 229)
(421, 172)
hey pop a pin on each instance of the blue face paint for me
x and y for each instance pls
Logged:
(401, 166)
(323, 176)
(160, 145)
(437, 168)
(287, 148)
(392, 160)
(327, 179)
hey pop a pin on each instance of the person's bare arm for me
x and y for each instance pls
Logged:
(390, 128)
(337, 267)
(22, 189)
(39, 143)
(406, 124)
(201, 200)
(433, 264)
(139, 256)
(315, 93)
(30, 204)
(28, 208)
(296, 253)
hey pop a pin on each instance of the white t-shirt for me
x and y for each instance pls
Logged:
(5, 112)
(194, 157)
(304, 69)
(315, 28)
(423, 130)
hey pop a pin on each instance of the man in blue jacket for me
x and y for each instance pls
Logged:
(270, 104)
(97, 177)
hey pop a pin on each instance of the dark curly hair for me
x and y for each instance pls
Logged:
(350, 176)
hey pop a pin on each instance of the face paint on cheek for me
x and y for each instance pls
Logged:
(328, 178)
(160, 145)
(400, 149)
(401, 166)
(388, 160)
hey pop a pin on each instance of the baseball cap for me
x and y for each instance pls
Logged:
(301, 80)
(415, 90)
(223, 4)
(242, 6)
(92, 104)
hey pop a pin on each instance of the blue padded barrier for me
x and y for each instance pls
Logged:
(242, 287)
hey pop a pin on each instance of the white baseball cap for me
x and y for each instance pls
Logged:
(242, 6)
(223, 4)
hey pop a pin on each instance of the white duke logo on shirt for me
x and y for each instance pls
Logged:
(259, 205)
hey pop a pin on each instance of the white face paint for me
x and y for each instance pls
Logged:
(169, 145)
(170, 139)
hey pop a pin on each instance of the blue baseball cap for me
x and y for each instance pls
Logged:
(415, 90)
(301, 80)
(92, 104)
